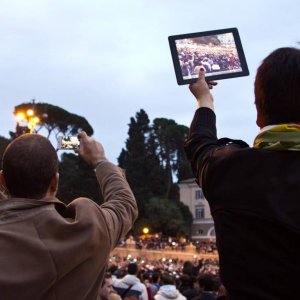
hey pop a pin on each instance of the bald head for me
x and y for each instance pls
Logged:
(29, 163)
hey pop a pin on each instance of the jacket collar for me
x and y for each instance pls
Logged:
(25, 203)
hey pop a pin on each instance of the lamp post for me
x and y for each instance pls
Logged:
(29, 117)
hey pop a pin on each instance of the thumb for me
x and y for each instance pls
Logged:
(201, 74)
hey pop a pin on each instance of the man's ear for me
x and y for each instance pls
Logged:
(3, 188)
(53, 187)
(259, 118)
(2, 180)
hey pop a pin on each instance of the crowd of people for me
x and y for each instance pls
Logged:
(163, 279)
(158, 242)
(213, 59)
(166, 264)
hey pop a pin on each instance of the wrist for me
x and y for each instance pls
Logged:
(206, 102)
(98, 162)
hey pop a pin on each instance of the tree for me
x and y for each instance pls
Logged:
(181, 166)
(77, 179)
(139, 159)
(165, 217)
(54, 119)
(153, 155)
(170, 139)
(206, 40)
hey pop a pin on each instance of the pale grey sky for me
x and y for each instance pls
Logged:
(105, 60)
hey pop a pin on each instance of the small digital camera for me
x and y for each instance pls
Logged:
(68, 143)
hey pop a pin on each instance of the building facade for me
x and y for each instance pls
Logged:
(192, 196)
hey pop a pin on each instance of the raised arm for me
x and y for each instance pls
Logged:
(119, 209)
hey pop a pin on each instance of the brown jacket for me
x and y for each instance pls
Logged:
(52, 251)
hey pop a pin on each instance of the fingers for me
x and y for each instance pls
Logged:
(211, 84)
(82, 135)
(90, 150)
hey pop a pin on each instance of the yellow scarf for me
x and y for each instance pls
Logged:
(279, 137)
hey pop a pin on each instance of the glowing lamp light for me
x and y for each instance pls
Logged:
(145, 230)
(20, 117)
(36, 120)
(29, 112)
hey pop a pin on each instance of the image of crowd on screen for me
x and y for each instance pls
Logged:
(213, 59)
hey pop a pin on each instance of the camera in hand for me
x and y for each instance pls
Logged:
(68, 143)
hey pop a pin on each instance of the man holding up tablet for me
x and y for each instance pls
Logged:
(253, 192)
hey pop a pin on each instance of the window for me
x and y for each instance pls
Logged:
(199, 212)
(199, 194)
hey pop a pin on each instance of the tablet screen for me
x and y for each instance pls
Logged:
(219, 52)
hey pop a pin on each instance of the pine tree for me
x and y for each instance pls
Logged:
(153, 156)
(170, 139)
(140, 161)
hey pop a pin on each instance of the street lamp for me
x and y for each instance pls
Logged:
(28, 117)
(145, 230)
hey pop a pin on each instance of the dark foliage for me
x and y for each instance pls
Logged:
(153, 157)
(77, 179)
(54, 119)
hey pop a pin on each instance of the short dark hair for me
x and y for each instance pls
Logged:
(132, 269)
(167, 279)
(187, 267)
(155, 277)
(29, 163)
(207, 282)
(187, 280)
(277, 87)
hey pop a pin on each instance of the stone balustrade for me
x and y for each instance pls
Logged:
(189, 253)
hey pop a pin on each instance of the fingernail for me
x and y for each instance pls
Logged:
(202, 69)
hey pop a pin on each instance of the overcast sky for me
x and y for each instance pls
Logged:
(105, 60)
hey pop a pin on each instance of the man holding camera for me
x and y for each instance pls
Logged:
(253, 193)
(50, 250)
